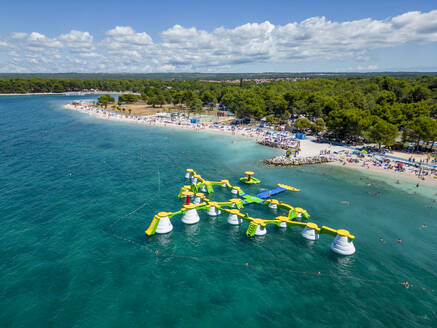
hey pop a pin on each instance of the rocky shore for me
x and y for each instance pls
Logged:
(272, 144)
(293, 161)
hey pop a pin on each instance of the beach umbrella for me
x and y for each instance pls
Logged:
(363, 152)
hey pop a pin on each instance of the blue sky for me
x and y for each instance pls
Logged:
(222, 36)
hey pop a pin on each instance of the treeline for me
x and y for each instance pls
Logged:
(200, 76)
(376, 108)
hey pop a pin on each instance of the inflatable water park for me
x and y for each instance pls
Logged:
(195, 200)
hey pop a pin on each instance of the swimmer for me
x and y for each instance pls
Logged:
(381, 240)
(398, 182)
(399, 240)
(405, 284)
(417, 186)
(423, 226)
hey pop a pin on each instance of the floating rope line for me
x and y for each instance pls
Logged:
(159, 181)
(257, 266)
(129, 214)
(261, 267)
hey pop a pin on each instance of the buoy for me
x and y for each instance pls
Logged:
(273, 204)
(212, 211)
(187, 175)
(190, 216)
(233, 218)
(283, 220)
(342, 244)
(234, 202)
(309, 232)
(198, 198)
(260, 230)
(164, 224)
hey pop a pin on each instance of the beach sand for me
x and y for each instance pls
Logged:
(308, 148)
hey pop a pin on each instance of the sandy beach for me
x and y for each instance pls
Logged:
(346, 157)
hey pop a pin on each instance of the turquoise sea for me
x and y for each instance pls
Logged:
(74, 253)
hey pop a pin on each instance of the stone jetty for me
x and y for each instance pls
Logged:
(292, 161)
(273, 144)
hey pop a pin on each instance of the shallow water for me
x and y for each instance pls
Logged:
(71, 257)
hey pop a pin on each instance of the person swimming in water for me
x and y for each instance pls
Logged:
(399, 240)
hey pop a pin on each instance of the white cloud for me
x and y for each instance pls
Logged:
(18, 35)
(166, 68)
(126, 34)
(189, 48)
(367, 68)
(38, 40)
(3, 45)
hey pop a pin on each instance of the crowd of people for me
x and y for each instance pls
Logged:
(285, 140)
(369, 160)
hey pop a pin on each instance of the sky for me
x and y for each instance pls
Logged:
(222, 36)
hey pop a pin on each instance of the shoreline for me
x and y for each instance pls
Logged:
(70, 93)
(309, 148)
(375, 171)
(153, 121)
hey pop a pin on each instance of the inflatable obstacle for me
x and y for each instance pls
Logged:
(249, 179)
(195, 198)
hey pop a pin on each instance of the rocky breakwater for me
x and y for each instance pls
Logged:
(273, 144)
(292, 161)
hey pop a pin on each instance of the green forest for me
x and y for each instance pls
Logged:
(373, 108)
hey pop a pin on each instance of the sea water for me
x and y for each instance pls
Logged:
(77, 193)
